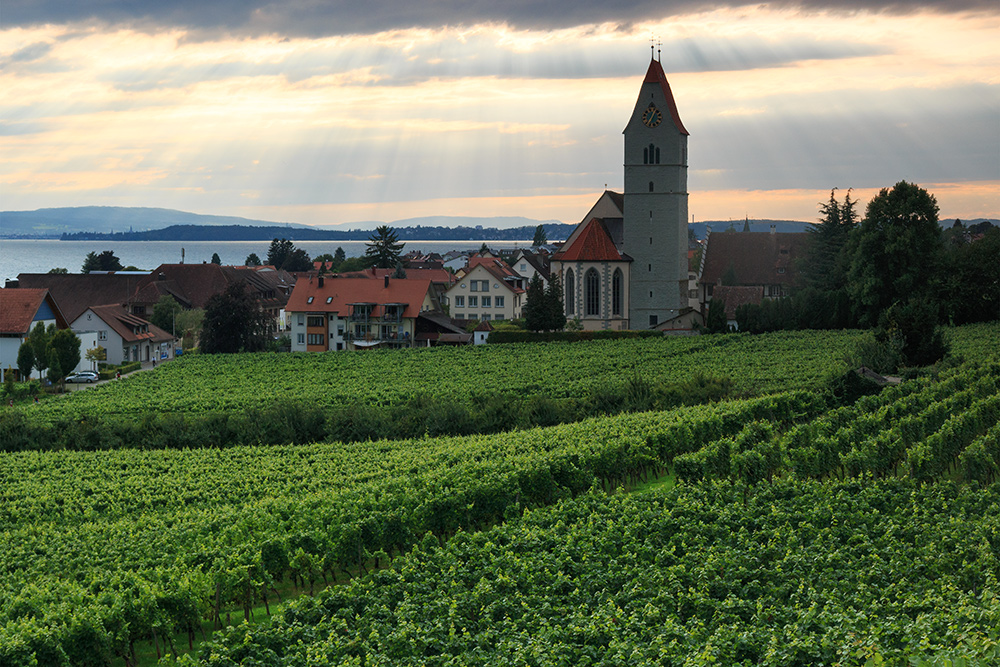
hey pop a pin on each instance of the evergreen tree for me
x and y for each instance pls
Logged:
(894, 252)
(555, 311)
(39, 339)
(252, 260)
(535, 308)
(824, 266)
(400, 272)
(282, 254)
(540, 238)
(66, 346)
(716, 321)
(234, 322)
(55, 373)
(338, 258)
(216, 259)
(383, 248)
(25, 360)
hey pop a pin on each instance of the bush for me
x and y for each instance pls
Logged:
(567, 336)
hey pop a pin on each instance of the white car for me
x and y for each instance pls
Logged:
(83, 376)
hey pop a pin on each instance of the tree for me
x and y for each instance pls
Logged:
(284, 255)
(66, 347)
(384, 248)
(400, 272)
(216, 259)
(338, 257)
(534, 312)
(252, 260)
(96, 355)
(234, 322)
(55, 373)
(969, 289)
(894, 252)
(106, 261)
(555, 311)
(39, 340)
(58, 271)
(540, 238)
(25, 360)
(165, 312)
(824, 267)
(716, 321)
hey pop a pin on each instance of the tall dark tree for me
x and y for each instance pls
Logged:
(338, 257)
(894, 252)
(252, 260)
(540, 238)
(384, 248)
(969, 285)
(555, 311)
(716, 321)
(25, 360)
(106, 261)
(39, 339)
(824, 266)
(234, 322)
(535, 311)
(282, 254)
(66, 346)
(216, 259)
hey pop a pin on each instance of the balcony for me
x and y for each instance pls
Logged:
(372, 339)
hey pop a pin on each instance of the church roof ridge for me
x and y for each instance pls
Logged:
(655, 75)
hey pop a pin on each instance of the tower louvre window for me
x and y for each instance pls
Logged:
(651, 186)
(651, 155)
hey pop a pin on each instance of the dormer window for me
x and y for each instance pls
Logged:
(309, 300)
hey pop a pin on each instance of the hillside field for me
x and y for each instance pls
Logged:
(799, 533)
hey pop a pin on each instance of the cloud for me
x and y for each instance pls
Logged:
(342, 17)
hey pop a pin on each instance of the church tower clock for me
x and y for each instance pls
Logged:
(655, 204)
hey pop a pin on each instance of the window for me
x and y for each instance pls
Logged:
(653, 321)
(315, 321)
(781, 269)
(651, 155)
(651, 186)
(473, 285)
(315, 339)
(102, 335)
(570, 290)
(302, 319)
(616, 292)
(498, 317)
(459, 316)
(310, 299)
(486, 317)
(592, 292)
(460, 302)
(498, 301)
(340, 330)
(486, 285)
(522, 267)
(329, 299)
(301, 339)
(486, 302)
(473, 301)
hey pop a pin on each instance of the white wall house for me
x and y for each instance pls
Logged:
(126, 338)
(20, 311)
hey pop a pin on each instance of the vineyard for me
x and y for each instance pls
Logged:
(799, 533)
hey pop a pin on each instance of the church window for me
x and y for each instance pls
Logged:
(657, 156)
(592, 292)
(653, 320)
(651, 186)
(570, 292)
(645, 155)
(616, 292)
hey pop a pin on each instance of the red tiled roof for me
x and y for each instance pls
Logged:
(125, 325)
(594, 244)
(344, 291)
(655, 75)
(19, 306)
(757, 258)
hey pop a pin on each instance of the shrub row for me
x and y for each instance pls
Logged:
(568, 336)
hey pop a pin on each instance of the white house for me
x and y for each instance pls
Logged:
(20, 311)
(126, 338)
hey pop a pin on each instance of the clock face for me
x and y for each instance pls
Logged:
(652, 116)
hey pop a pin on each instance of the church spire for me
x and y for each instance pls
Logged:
(655, 75)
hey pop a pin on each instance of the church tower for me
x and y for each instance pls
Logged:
(656, 204)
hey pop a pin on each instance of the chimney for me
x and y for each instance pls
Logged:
(774, 228)
(387, 282)
(321, 281)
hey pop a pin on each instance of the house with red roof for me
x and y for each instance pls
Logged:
(762, 260)
(334, 313)
(488, 289)
(125, 337)
(20, 311)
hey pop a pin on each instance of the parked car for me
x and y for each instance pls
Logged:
(83, 376)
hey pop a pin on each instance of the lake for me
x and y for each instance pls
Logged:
(38, 256)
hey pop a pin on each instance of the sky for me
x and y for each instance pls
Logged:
(333, 112)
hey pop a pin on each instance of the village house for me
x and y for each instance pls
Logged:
(20, 311)
(486, 289)
(125, 337)
(333, 313)
(761, 260)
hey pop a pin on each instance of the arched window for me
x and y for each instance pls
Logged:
(592, 292)
(570, 293)
(651, 186)
(616, 292)
(645, 156)
(657, 156)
